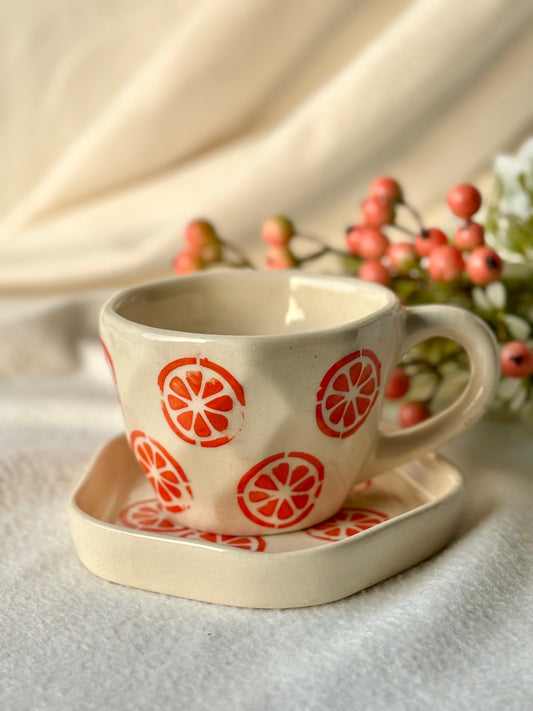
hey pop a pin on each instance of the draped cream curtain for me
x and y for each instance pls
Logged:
(120, 120)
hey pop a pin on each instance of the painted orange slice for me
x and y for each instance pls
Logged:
(202, 402)
(247, 543)
(148, 516)
(361, 487)
(347, 393)
(164, 473)
(109, 360)
(347, 522)
(282, 490)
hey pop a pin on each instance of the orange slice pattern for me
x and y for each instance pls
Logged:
(348, 522)
(347, 393)
(164, 473)
(202, 402)
(109, 360)
(281, 490)
(148, 516)
(247, 543)
(361, 487)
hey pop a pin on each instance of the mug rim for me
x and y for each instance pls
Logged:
(110, 308)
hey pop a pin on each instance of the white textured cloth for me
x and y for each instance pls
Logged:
(119, 121)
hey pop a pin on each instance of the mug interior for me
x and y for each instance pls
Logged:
(248, 303)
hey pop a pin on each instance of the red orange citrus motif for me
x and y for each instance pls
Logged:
(109, 360)
(148, 516)
(247, 543)
(202, 402)
(164, 473)
(347, 393)
(362, 486)
(346, 523)
(281, 490)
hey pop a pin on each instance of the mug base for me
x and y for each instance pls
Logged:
(386, 525)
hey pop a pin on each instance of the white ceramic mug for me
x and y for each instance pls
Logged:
(252, 399)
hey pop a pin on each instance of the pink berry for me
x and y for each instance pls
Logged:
(428, 240)
(484, 265)
(516, 359)
(469, 236)
(277, 231)
(387, 188)
(199, 233)
(378, 211)
(281, 258)
(374, 270)
(445, 263)
(411, 413)
(372, 243)
(188, 263)
(464, 200)
(352, 239)
(402, 257)
(397, 384)
(203, 241)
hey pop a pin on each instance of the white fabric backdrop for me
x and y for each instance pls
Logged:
(119, 121)
(122, 120)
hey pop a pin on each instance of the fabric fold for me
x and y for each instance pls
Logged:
(185, 136)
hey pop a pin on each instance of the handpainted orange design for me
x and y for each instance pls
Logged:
(164, 473)
(282, 490)
(347, 522)
(361, 487)
(109, 360)
(148, 516)
(202, 402)
(247, 543)
(347, 393)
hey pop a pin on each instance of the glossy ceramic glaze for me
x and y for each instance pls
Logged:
(252, 399)
(385, 525)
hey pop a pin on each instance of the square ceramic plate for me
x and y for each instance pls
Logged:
(386, 525)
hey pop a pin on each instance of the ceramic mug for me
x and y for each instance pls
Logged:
(252, 399)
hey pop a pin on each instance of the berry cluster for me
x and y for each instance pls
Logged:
(421, 265)
(277, 232)
(203, 248)
(428, 249)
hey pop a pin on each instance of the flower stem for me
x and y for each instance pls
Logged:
(311, 257)
(403, 229)
(415, 214)
(237, 257)
(325, 250)
(311, 238)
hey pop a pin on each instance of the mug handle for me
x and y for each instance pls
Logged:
(476, 338)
